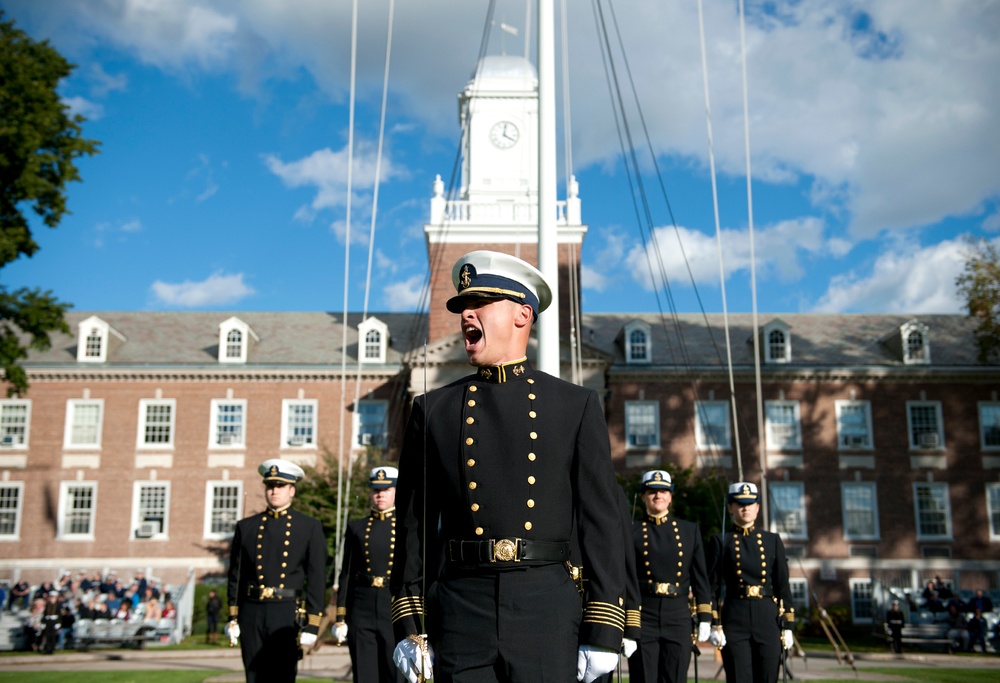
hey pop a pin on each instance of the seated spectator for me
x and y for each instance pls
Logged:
(929, 590)
(153, 610)
(977, 628)
(20, 595)
(101, 610)
(43, 589)
(958, 632)
(934, 604)
(67, 620)
(169, 611)
(980, 602)
(124, 610)
(943, 589)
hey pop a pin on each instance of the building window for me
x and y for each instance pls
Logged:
(77, 507)
(93, 339)
(373, 344)
(854, 425)
(234, 344)
(860, 505)
(11, 495)
(642, 424)
(915, 346)
(84, 418)
(151, 509)
(782, 426)
(711, 425)
(373, 336)
(914, 341)
(924, 422)
(15, 417)
(777, 341)
(298, 423)
(93, 345)
(638, 346)
(993, 510)
(156, 423)
(228, 423)
(861, 601)
(235, 337)
(799, 589)
(788, 509)
(223, 501)
(989, 426)
(370, 424)
(933, 510)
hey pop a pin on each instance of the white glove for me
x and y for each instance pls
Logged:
(234, 632)
(786, 639)
(593, 662)
(411, 662)
(718, 637)
(704, 631)
(339, 631)
(307, 639)
(629, 647)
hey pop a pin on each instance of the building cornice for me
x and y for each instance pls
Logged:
(209, 374)
(783, 375)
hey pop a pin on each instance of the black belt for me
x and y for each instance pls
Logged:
(270, 592)
(663, 590)
(373, 581)
(755, 592)
(506, 551)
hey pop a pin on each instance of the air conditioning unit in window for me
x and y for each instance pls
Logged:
(7, 440)
(643, 439)
(227, 439)
(854, 440)
(929, 440)
(147, 530)
(366, 439)
(297, 440)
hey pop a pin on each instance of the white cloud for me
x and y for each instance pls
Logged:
(405, 295)
(992, 222)
(102, 83)
(93, 111)
(902, 280)
(216, 290)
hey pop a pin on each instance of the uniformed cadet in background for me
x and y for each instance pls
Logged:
(363, 610)
(670, 563)
(277, 561)
(757, 615)
(491, 470)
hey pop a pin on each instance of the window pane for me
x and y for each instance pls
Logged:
(13, 422)
(153, 505)
(79, 508)
(373, 344)
(859, 510)
(713, 424)
(157, 428)
(637, 345)
(229, 424)
(10, 506)
(861, 599)
(225, 509)
(932, 510)
(993, 506)
(234, 344)
(92, 349)
(371, 423)
(782, 425)
(787, 509)
(989, 423)
(642, 423)
(85, 429)
(300, 423)
(923, 420)
(776, 345)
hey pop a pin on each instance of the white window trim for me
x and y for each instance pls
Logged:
(286, 404)
(940, 426)
(164, 531)
(209, 488)
(647, 330)
(61, 533)
(659, 437)
(701, 442)
(140, 439)
(246, 333)
(213, 426)
(854, 614)
(766, 343)
(948, 534)
(13, 445)
(994, 532)
(370, 325)
(772, 444)
(843, 510)
(869, 437)
(18, 511)
(83, 331)
(801, 487)
(71, 405)
(904, 333)
(982, 426)
(801, 581)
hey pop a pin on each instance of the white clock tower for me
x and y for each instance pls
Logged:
(497, 202)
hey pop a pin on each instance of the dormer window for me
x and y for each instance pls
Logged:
(777, 342)
(373, 341)
(94, 337)
(637, 343)
(914, 343)
(235, 337)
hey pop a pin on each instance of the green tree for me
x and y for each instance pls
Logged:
(697, 499)
(39, 141)
(979, 283)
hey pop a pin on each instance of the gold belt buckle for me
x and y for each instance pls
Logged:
(575, 573)
(663, 589)
(266, 592)
(378, 582)
(504, 550)
(753, 591)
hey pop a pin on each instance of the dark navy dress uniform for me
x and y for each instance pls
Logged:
(670, 562)
(749, 564)
(506, 464)
(276, 559)
(363, 600)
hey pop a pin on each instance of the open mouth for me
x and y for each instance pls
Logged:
(472, 335)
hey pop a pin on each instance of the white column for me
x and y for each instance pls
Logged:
(548, 245)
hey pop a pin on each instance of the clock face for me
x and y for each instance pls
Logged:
(504, 134)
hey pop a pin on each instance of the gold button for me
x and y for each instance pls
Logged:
(531, 503)
(531, 397)
(469, 420)
(472, 403)
(469, 441)
(531, 381)
(475, 507)
(479, 531)
(531, 456)
(470, 462)
(533, 435)
(472, 485)
(531, 479)
(527, 526)
(473, 388)
(531, 413)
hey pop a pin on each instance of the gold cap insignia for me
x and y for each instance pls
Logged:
(273, 472)
(746, 489)
(465, 279)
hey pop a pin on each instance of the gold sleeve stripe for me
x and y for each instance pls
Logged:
(790, 615)
(633, 617)
(704, 608)
(604, 613)
(341, 611)
(314, 619)
(407, 607)
(234, 611)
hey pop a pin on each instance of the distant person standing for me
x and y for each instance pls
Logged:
(213, 608)
(278, 556)
(894, 621)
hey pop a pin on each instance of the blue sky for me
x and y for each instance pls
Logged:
(221, 182)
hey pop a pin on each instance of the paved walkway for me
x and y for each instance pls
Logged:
(333, 662)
